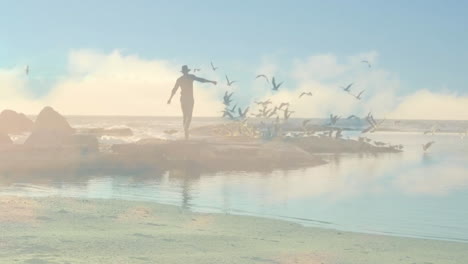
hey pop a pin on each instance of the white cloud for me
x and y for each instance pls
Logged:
(324, 75)
(113, 84)
(116, 84)
(424, 104)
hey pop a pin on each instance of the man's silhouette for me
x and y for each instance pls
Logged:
(185, 82)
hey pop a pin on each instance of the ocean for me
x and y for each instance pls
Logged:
(411, 194)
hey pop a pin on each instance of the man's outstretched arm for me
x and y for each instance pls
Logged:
(174, 90)
(198, 79)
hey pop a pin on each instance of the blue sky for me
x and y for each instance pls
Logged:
(423, 42)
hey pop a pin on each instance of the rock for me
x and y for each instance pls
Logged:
(50, 120)
(12, 122)
(52, 131)
(216, 155)
(5, 140)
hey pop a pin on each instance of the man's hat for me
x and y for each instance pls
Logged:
(185, 69)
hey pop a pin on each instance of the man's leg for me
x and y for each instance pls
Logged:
(187, 109)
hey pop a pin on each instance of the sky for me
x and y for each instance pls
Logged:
(116, 54)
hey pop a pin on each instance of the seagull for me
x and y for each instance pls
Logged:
(359, 95)
(304, 124)
(233, 109)
(26, 69)
(379, 144)
(263, 76)
(283, 105)
(275, 86)
(366, 62)
(353, 117)
(339, 133)
(347, 88)
(287, 114)
(427, 145)
(264, 103)
(272, 113)
(373, 124)
(334, 119)
(226, 113)
(229, 82)
(304, 93)
(463, 134)
(213, 67)
(227, 98)
(243, 115)
(433, 130)
(170, 131)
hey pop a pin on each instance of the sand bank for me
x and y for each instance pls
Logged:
(66, 230)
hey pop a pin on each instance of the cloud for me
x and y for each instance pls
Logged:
(109, 84)
(114, 84)
(325, 75)
(424, 104)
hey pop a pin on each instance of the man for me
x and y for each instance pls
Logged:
(185, 82)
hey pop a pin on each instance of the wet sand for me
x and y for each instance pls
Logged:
(68, 230)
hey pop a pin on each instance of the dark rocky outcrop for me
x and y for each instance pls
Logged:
(215, 155)
(12, 122)
(52, 131)
(5, 140)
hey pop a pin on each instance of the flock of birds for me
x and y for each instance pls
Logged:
(267, 110)
(281, 113)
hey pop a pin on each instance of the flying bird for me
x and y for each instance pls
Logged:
(334, 119)
(287, 114)
(243, 114)
(366, 62)
(358, 97)
(427, 145)
(373, 124)
(233, 109)
(213, 67)
(227, 98)
(263, 76)
(196, 70)
(226, 113)
(304, 124)
(26, 69)
(229, 82)
(304, 93)
(348, 88)
(283, 105)
(275, 85)
(264, 103)
(353, 117)
(272, 113)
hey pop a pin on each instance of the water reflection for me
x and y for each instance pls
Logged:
(185, 178)
(411, 193)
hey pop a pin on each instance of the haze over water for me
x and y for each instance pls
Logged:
(411, 193)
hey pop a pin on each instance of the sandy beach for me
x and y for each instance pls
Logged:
(69, 230)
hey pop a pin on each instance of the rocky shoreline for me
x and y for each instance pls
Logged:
(54, 145)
